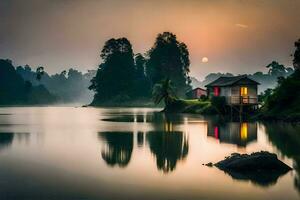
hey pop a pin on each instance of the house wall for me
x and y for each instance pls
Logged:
(196, 93)
(199, 93)
(252, 90)
(225, 91)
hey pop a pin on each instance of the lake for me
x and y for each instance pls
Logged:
(136, 153)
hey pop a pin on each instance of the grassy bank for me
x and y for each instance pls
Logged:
(194, 106)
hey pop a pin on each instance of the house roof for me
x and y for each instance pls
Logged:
(228, 81)
(198, 88)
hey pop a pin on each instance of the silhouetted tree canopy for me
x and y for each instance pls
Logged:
(118, 75)
(14, 90)
(142, 83)
(169, 58)
(296, 60)
(39, 73)
(276, 69)
(68, 86)
(284, 101)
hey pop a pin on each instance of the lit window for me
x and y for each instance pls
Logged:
(216, 91)
(244, 91)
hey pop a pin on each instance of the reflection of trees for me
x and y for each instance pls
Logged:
(6, 139)
(118, 148)
(168, 147)
(286, 138)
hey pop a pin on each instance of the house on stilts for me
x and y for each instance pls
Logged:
(239, 91)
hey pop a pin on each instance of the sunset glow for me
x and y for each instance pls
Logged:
(235, 33)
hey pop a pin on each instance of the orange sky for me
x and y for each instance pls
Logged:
(237, 36)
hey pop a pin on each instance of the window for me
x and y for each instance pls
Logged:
(216, 91)
(244, 91)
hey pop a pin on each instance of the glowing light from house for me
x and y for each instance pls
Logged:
(244, 91)
(216, 91)
(244, 131)
(168, 126)
(216, 132)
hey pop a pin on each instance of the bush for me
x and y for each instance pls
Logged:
(219, 103)
(204, 98)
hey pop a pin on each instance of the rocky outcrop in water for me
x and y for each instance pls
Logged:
(262, 168)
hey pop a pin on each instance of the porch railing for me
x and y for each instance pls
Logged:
(242, 100)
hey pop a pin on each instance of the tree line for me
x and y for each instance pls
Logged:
(69, 86)
(267, 80)
(124, 77)
(14, 90)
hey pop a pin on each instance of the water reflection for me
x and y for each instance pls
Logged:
(140, 139)
(118, 148)
(239, 133)
(168, 148)
(260, 178)
(134, 154)
(6, 140)
(286, 137)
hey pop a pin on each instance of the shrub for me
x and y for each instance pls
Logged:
(219, 103)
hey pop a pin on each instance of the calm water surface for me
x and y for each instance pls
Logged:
(128, 153)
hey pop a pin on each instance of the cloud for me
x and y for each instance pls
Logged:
(241, 25)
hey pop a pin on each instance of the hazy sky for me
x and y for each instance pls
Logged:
(236, 36)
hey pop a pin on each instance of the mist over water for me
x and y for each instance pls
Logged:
(107, 153)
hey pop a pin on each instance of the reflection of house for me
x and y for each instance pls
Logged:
(237, 90)
(196, 93)
(234, 132)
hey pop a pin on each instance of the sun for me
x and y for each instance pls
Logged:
(204, 59)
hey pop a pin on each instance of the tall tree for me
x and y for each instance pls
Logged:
(276, 69)
(142, 84)
(114, 80)
(296, 60)
(39, 73)
(169, 58)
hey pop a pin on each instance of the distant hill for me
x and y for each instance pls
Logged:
(14, 90)
(68, 86)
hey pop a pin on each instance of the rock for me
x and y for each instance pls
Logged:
(210, 164)
(262, 168)
(254, 162)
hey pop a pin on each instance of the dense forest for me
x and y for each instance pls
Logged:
(282, 103)
(125, 78)
(68, 86)
(267, 80)
(14, 90)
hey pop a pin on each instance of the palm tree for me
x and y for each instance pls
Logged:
(164, 91)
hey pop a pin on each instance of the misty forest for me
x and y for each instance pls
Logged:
(137, 99)
(126, 78)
